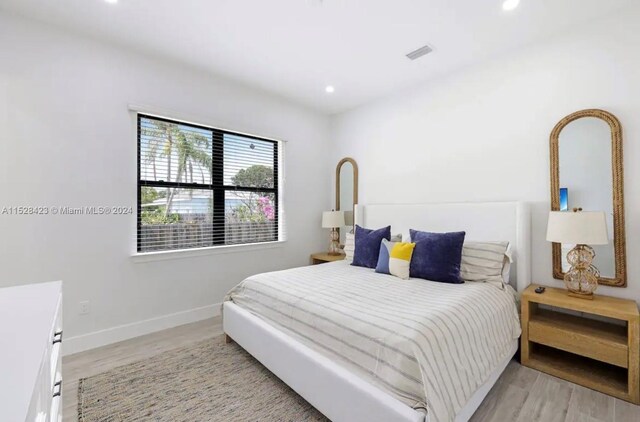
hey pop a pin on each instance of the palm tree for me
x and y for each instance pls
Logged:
(159, 137)
(167, 140)
(191, 149)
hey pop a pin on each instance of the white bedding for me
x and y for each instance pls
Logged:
(431, 345)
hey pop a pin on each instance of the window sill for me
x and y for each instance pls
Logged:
(214, 250)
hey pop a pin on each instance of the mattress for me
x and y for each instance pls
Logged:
(430, 345)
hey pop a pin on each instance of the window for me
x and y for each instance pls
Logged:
(200, 187)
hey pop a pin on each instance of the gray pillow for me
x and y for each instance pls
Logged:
(484, 261)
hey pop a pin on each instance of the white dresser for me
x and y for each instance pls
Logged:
(30, 353)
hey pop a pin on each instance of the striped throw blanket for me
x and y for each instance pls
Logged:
(430, 345)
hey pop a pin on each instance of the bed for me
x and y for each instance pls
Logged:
(359, 346)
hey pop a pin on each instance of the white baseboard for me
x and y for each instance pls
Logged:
(125, 332)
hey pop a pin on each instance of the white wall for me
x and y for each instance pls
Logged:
(482, 134)
(67, 138)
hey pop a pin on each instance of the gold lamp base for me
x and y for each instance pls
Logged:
(334, 246)
(582, 278)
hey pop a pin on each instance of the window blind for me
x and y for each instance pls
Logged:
(201, 187)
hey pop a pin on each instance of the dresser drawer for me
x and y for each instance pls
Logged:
(31, 365)
(45, 405)
(55, 407)
(55, 346)
(39, 407)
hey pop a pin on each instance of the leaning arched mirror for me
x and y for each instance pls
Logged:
(587, 174)
(346, 191)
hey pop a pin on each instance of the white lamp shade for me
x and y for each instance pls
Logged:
(332, 219)
(583, 227)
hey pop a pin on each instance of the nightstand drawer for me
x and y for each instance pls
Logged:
(593, 339)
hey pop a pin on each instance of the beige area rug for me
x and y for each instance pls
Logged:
(208, 381)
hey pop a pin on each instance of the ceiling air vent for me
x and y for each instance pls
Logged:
(422, 51)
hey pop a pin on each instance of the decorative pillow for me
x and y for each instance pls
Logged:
(484, 261)
(368, 246)
(350, 245)
(395, 258)
(437, 256)
(506, 269)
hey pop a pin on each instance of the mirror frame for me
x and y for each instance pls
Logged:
(355, 181)
(619, 242)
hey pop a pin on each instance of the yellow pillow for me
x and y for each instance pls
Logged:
(395, 258)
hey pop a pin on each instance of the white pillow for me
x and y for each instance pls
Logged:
(506, 269)
(350, 245)
(485, 262)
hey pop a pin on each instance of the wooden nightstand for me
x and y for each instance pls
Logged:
(322, 257)
(603, 356)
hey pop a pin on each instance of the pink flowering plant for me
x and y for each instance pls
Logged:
(255, 210)
(266, 208)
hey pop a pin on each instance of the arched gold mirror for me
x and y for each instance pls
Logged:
(346, 190)
(587, 174)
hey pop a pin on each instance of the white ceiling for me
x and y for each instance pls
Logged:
(294, 48)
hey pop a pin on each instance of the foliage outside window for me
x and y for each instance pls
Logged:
(202, 187)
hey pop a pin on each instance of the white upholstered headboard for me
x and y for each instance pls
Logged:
(489, 221)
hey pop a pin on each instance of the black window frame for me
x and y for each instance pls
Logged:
(217, 187)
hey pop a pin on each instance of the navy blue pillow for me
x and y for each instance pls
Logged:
(437, 256)
(367, 246)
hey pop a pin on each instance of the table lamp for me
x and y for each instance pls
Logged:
(580, 228)
(333, 220)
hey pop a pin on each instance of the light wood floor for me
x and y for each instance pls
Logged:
(521, 394)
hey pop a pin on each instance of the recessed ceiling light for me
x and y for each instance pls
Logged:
(111, 1)
(510, 4)
(330, 89)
